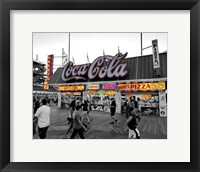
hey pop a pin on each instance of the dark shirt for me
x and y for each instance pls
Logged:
(72, 105)
(36, 106)
(133, 123)
(85, 106)
(113, 106)
(135, 104)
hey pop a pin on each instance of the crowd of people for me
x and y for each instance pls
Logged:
(79, 117)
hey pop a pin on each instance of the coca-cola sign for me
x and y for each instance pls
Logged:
(103, 66)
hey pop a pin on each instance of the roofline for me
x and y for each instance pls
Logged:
(145, 55)
(117, 81)
(127, 58)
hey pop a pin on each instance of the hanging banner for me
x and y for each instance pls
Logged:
(111, 92)
(145, 96)
(162, 104)
(101, 92)
(46, 86)
(50, 66)
(156, 60)
(77, 93)
(129, 95)
(91, 92)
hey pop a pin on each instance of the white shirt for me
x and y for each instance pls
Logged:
(43, 114)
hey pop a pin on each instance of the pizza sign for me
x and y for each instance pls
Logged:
(156, 60)
(142, 86)
(104, 66)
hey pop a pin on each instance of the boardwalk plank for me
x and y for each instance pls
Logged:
(150, 127)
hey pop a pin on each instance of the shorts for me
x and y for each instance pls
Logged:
(134, 133)
(42, 132)
(112, 113)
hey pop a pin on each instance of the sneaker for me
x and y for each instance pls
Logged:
(64, 137)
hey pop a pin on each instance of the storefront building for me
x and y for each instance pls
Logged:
(118, 77)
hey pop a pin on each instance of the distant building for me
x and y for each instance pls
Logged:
(39, 76)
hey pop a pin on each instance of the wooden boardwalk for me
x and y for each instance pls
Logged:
(100, 127)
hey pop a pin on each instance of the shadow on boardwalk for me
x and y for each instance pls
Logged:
(100, 127)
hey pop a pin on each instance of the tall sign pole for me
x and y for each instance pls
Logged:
(141, 42)
(88, 60)
(69, 47)
(62, 56)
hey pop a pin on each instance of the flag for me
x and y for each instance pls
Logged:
(118, 50)
(88, 58)
(103, 53)
(64, 57)
(73, 61)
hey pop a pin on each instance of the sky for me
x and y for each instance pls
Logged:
(93, 44)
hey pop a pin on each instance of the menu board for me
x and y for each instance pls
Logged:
(118, 102)
(162, 104)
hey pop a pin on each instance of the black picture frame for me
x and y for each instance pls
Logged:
(7, 5)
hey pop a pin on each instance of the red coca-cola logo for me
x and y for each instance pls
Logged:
(103, 66)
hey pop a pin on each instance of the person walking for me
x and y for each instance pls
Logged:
(130, 107)
(70, 118)
(71, 110)
(132, 124)
(71, 123)
(112, 111)
(36, 105)
(136, 109)
(125, 106)
(43, 117)
(78, 126)
(86, 110)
